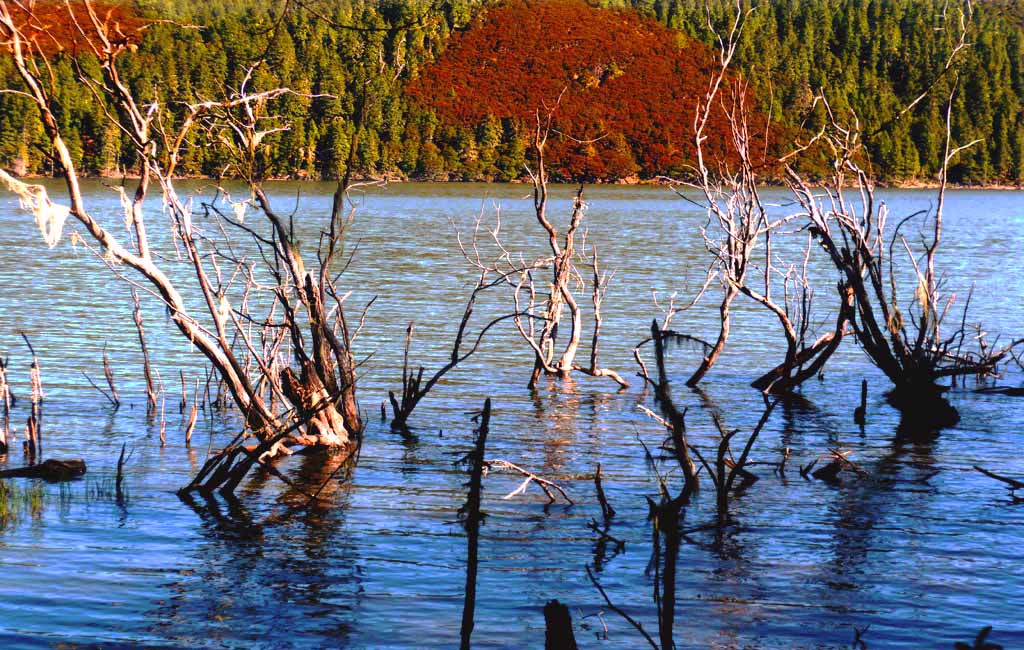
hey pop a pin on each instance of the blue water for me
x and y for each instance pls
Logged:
(923, 549)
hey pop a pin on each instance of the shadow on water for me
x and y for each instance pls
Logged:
(862, 505)
(857, 528)
(260, 576)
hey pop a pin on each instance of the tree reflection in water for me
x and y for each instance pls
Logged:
(263, 575)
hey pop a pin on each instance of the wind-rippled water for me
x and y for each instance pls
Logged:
(924, 550)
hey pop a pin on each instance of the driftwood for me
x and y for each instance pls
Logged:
(50, 470)
(837, 462)
(544, 484)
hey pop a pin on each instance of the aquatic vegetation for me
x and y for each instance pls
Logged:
(18, 503)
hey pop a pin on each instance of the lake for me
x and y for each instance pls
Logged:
(923, 549)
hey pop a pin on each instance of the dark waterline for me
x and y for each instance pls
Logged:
(925, 550)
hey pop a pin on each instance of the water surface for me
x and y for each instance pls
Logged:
(924, 550)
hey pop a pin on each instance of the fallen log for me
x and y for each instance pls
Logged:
(50, 470)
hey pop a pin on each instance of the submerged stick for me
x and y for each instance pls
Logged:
(544, 484)
(604, 536)
(618, 610)
(119, 481)
(163, 421)
(471, 518)
(99, 389)
(860, 413)
(31, 433)
(146, 368)
(108, 372)
(190, 427)
(184, 393)
(606, 508)
(35, 420)
(5, 406)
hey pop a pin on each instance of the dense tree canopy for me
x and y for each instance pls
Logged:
(625, 88)
(353, 61)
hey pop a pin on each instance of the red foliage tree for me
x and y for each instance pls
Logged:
(630, 86)
(54, 26)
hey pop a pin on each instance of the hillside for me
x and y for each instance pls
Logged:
(368, 67)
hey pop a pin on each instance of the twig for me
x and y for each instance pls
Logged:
(1013, 483)
(544, 484)
(620, 545)
(606, 509)
(109, 374)
(105, 394)
(615, 608)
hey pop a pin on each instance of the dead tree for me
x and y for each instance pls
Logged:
(900, 331)
(903, 331)
(552, 358)
(666, 514)
(316, 388)
(739, 231)
(728, 474)
(563, 252)
(740, 234)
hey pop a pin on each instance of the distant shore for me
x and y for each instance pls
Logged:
(914, 184)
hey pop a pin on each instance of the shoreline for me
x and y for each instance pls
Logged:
(388, 179)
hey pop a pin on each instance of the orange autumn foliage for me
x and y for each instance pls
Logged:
(55, 26)
(631, 87)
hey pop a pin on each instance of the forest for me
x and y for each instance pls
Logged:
(764, 402)
(393, 89)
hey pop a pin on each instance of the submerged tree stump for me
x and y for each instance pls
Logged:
(558, 627)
